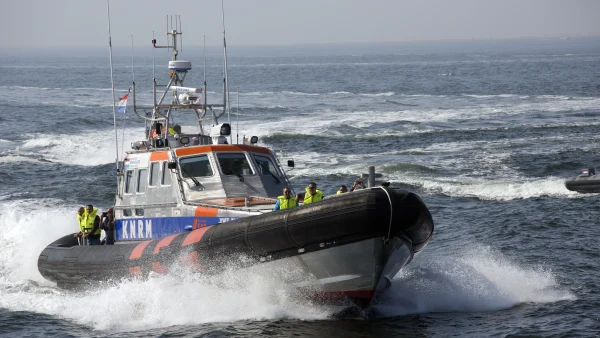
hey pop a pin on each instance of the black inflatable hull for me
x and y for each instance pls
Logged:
(584, 184)
(351, 243)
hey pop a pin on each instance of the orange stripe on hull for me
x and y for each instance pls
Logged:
(164, 242)
(159, 156)
(135, 270)
(207, 212)
(219, 147)
(157, 267)
(137, 251)
(194, 236)
(191, 260)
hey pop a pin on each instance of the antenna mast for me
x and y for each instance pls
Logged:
(205, 95)
(112, 84)
(181, 36)
(237, 111)
(226, 94)
(132, 73)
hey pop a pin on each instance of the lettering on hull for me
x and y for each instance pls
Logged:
(134, 229)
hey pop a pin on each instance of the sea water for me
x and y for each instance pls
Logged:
(486, 132)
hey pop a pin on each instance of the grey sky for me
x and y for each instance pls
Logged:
(57, 23)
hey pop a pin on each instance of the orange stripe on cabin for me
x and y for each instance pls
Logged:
(135, 270)
(207, 212)
(194, 236)
(219, 147)
(159, 156)
(164, 242)
(137, 251)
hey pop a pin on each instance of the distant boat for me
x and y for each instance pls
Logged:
(587, 182)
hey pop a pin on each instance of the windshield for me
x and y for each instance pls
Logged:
(265, 165)
(234, 164)
(197, 166)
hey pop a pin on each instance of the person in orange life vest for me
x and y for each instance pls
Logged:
(286, 201)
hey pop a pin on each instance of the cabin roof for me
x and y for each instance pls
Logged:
(219, 147)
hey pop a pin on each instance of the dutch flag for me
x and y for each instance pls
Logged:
(122, 103)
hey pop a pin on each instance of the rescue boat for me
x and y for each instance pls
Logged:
(200, 199)
(586, 182)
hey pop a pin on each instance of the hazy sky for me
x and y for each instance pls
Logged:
(57, 23)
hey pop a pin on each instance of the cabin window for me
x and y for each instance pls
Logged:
(166, 174)
(127, 212)
(154, 174)
(142, 179)
(197, 166)
(234, 164)
(129, 181)
(139, 212)
(265, 166)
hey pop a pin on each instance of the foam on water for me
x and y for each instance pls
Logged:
(479, 279)
(23, 158)
(175, 300)
(26, 228)
(322, 121)
(178, 298)
(507, 186)
(94, 147)
(379, 94)
(497, 190)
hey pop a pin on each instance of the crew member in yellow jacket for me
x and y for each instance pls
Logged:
(342, 189)
(89, 225)
(312, 194)
(80, 221)
(285, 201)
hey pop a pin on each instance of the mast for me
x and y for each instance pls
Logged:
(130, 88)
(174, 80)
(226, 94)
(112, 84)
(237, 113)
(205, 95)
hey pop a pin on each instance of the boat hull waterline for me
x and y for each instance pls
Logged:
(351, 245)
(584, 184)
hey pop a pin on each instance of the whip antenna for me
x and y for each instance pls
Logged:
(153, 59)
(128, 91)
(132, 73)
(112, 84)
(237, 112)
(228, 106)
(204, 61)
(180, 36)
